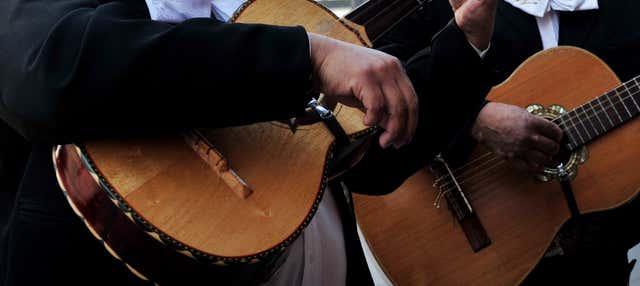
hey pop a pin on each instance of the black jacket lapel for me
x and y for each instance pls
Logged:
(523, 24)
(576, 27)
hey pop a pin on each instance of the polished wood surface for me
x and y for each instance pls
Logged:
(173, 189)
(136, 247)
(419, 244)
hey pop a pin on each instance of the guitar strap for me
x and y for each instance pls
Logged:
(343, 147)
(565, 183)
(341, 137)
(357, 269)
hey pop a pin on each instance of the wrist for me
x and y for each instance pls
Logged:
(478, 126)
(319, 47)
(479, 42)
(477, 28)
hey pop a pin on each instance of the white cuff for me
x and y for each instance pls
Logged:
(481, 53)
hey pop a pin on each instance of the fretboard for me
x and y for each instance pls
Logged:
(602, 114)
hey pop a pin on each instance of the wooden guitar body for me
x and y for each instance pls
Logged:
(419, 244)
(158, 203)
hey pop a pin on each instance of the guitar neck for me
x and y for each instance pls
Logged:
(380, 16)
(602, 114)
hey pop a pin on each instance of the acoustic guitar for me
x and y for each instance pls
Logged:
(482, 223)
(230, 197)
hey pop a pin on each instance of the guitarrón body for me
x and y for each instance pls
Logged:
(217, 201)
(419, 244)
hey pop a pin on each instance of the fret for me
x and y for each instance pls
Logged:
(601, 114)
(589, 125)
(575, 126)
(620, 92)
(617, 102)
(633, 89)
(629, 102)
(612, 106)
(567, 131)
(636, 91)
(604, 110)
(581, 118)
(597, 115)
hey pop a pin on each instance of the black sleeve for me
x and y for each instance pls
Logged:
(411, 34)
(14, 152)
(75, 69)
(451, 81)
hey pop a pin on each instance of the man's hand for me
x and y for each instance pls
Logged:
(526, 140)
(476, 18)
(370, 80)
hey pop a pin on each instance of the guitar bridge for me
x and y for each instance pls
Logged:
(451, 190)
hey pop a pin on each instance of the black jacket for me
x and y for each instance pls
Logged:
(14, 152)
(599, 254)
(611, 33)
(78, 69)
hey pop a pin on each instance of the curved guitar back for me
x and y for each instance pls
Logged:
(419, 244)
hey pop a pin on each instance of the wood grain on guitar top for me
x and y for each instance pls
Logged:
(172, 188)
(182, 204)
(418, 244)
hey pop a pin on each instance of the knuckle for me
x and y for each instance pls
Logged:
(534, 138)
(355, 83)
(379, 67)
(528, 122)
(376, 107)
(393, 134)
(394, 62)
(402, 110)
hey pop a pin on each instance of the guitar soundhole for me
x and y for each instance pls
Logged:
(570, 159)
(563, 157)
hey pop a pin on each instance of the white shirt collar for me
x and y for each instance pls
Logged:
(539, 8)
(175, 11)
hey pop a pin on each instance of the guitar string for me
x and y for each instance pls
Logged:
(469, 172)
(450, 186)
(468, 164)
(460, 182)
(571, 124)
(470, 196)
(604, 107)
(492, 167)
(375, 17)
(629, 94)
(604, 110)
(460, 174)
